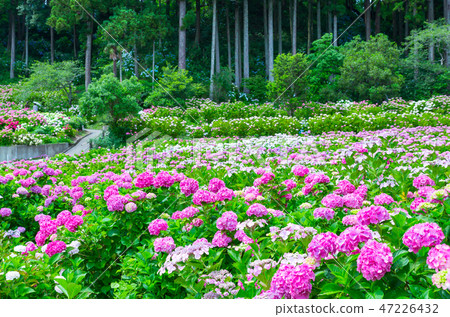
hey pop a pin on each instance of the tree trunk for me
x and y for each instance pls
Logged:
(75, 54)
(153, 61)
(401, 24)
(246, 65)
(294, 28)
(228, 37)
(308, 43)
(266, 39)
(88, 60)
(237, 46)
(217, 60)
(120, 66)
(280, 29)
(13, 44)
(431, 19)
(416, 50)
(319, 22)
(197, 22)
(447, 19)
(115, 61)
(378, 18)
(330, 18)
(335, 36)
(367, 19)
(406, 19)
(136, 62)
(182, 37)
(270, 26)
(26, 44)
(213, 49)
(52, 45)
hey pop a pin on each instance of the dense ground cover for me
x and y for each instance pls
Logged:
(337, 215)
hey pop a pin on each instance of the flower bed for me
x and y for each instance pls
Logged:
(343, 215)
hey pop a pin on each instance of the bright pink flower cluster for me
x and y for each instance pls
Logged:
(116, 202)
(350, 220)
(165, 244)
(290, 184)
(349, 240)
(163, 179)
(156, 226)
(215, 185)
(221, 240)
(300, 170)
(225, 194)
(416, 202)
(203, 196)
(292, 282)
(333, 201)
(318, 178)
(361, 191)
(5, 212)
(439, 257)
(372, 215)
(344, 188)
(425, 234)
(228, 221)
(375, 260)
(423, 180)
(144, 180)
(323, 245)
(188, 186)
(257, 210)
(63, 217)
(425, 191)
(73, 223)
(383, 199)
(353, 201)
(130, 207)
(187, 212)
(324, 213)
(243, 237)
(55, 247)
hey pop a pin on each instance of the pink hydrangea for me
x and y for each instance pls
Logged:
(215, 184)
(353, 201)
(344, 188)
(48, 227)
(257, 210)
(116, 203)
(165, 244)
(349, 240)
(290, 184)
(383, 199)
(144, 180)
(374, 261)
(156, 226)
(228, 221)
(221, 240)
(5, 212)
(203, 196)
(307, 189)
(292, 282)
(300, 170)
(63, 217)
(188, 186)
(416, 202)
(372, 215)
(324, 213)
(423, 180)
(241, 236)
(350, 220)
(224, 194)
(318, 178)
(425, 191)
(55, 247)
(139, 195)
(439, 257)
(73, 223)
(110, 191)
(187, 212)
(130, 207)
(163, 179)
(425, 234)
(333, 201)
(30, 247)
(197, 222)
(322, 245)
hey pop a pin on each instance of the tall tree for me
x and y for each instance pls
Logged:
(431, 19)
(309, 25)
(12, 26)
(227, 14)
(182, 36)
(237, 46)
(280, 29)
(335, 31)
(213, 49)
(319, 22)
(197, 22)
(447, 20)
(266, 39)
(294, 28)
(367, 20)
(246, 72)
(270, 39)
(378, 18)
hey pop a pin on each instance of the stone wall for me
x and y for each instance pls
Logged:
(18, 152)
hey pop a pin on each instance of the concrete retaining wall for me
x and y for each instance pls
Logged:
(18, 152)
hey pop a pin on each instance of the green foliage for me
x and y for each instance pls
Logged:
(257, 85)
(370, 69)
(108, 95)
(223, 85)
(175, 86)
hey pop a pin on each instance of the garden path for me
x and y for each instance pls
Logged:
(83, 144)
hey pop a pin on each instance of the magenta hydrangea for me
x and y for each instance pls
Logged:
(374, 261)
(423, 180)
(225, 194)
(344, 188)
(55, 247)
(203, 196)
(187, 212)
(48, 227)
(353, 201)
(228, 221)
(372, 215)
(63, 217)
(163, 179)
(188, 186)
(416, 203)
(439, 257)
(5, 212)
(257, 210)
(349, 240)
(292, 282)
(165, 244)
(241, 236)
(215, 185)
(425, 234)
(322, 245)
(116, 203)
(73, 223)
(300, 170)
(156, 226)
(323, 213)
(425, 191)
(361, 191)
(333, 201)
(290, 184)
(221, 240)
(144, 180)
(383, 199)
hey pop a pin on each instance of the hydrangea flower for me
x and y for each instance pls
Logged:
(165, 244)
(188, 186)
(300, 170)
(423, 235)
(203, 196)
(344, 188)
(353, 201)
(383, 199)
(215, 185)
(130, 207)
(73, 223)
(442, 279)
(221, 240)
(290, 184)
(349, 240)
(5, 212)
(116, 203)
(372, 215)
(12, 275)
(324, 213)
(257, 210)
(188, 212)
(323, 245)
(225, 194)
(241, 236)
(423, 180)
(439, 257)
(374, 261)
(228, 221)
(55, 247)
(333, 201)
(156, 226)
(292, 282)
(163, 179)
